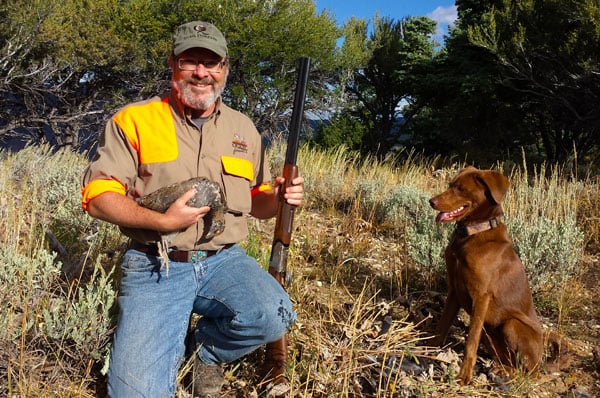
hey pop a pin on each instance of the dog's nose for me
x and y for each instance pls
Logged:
(432, 202)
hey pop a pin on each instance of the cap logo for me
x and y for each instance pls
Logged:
(199, 34)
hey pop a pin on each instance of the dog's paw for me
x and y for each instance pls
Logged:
(465, 375)
(463, 380)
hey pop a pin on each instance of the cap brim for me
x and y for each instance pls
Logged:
(184, 47)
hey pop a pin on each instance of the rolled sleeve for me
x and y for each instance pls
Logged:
(97, 187)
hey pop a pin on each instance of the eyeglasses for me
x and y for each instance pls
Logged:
(211, 65)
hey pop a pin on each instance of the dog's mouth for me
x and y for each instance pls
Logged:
(448, 216)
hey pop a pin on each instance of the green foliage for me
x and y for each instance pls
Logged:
(26, 284)
(68, 327)
(426, 239)
(354, 52)
(266, 40)
(343, 131)
(87, 42)
(84, 317)
(511, 75)
(515, 75)
(532, 60)
(78, 321)
(67, 73)
(395, 49)
(409, 208)
(53, 189)
(550, 239)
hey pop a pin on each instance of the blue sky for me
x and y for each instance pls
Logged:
(443, 11)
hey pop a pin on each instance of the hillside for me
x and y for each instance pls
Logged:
(367, 280)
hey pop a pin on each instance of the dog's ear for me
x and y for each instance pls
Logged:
(496, 183)
(468, 169)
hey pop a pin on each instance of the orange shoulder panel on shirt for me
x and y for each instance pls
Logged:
(150, 129)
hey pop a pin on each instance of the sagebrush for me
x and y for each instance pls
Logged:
(364, 240)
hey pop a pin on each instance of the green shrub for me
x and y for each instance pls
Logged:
(26, 285)
(83, 316)
(408, 209)
(59, 312)
(549, 250)
(344, 130)
(72, 325)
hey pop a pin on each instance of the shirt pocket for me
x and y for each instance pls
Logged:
(238, 174)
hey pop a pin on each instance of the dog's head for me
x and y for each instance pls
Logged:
(473, 195)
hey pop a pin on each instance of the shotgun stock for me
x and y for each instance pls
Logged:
(276, 355)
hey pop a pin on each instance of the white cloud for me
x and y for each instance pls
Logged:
(444, 15)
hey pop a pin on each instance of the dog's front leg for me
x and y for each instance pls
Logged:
(451, 308)
(480, 307)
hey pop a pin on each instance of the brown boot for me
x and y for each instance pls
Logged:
(207, 380)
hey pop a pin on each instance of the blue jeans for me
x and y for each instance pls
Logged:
(242, 308)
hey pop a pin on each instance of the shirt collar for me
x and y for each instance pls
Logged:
(181, 110)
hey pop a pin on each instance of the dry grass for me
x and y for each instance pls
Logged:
(54, 325)
(367, 277)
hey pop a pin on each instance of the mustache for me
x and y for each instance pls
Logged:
(195, 80)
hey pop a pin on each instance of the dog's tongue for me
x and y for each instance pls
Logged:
(444, 217)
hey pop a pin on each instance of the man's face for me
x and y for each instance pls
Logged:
(198, 78)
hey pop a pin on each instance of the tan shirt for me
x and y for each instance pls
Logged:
(150, 144)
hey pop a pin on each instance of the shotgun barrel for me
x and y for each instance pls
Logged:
(276, 355)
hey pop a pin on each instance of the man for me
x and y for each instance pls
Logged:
(151, 144)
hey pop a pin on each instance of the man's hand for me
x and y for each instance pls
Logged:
(180, 215)
(125, 212)
(264, 204)
(294, 193)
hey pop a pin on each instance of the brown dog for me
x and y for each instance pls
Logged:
(485, 275)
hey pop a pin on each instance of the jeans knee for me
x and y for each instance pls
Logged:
(284, 316)
(285, 313)
(268, 320)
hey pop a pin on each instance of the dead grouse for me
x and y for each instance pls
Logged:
(208, 193)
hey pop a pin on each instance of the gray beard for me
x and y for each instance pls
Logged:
(192, 101)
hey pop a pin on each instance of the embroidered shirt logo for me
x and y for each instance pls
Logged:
(239, 144)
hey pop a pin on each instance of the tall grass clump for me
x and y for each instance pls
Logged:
(356, 349)
(56, 323)
(587, 213)
(326, 174)
(392, 193)
(541, 214)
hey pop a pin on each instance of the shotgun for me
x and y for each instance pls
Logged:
(276, 354)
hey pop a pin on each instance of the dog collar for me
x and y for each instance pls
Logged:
(472, 229)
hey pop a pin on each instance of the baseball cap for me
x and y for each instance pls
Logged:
(201, 35)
